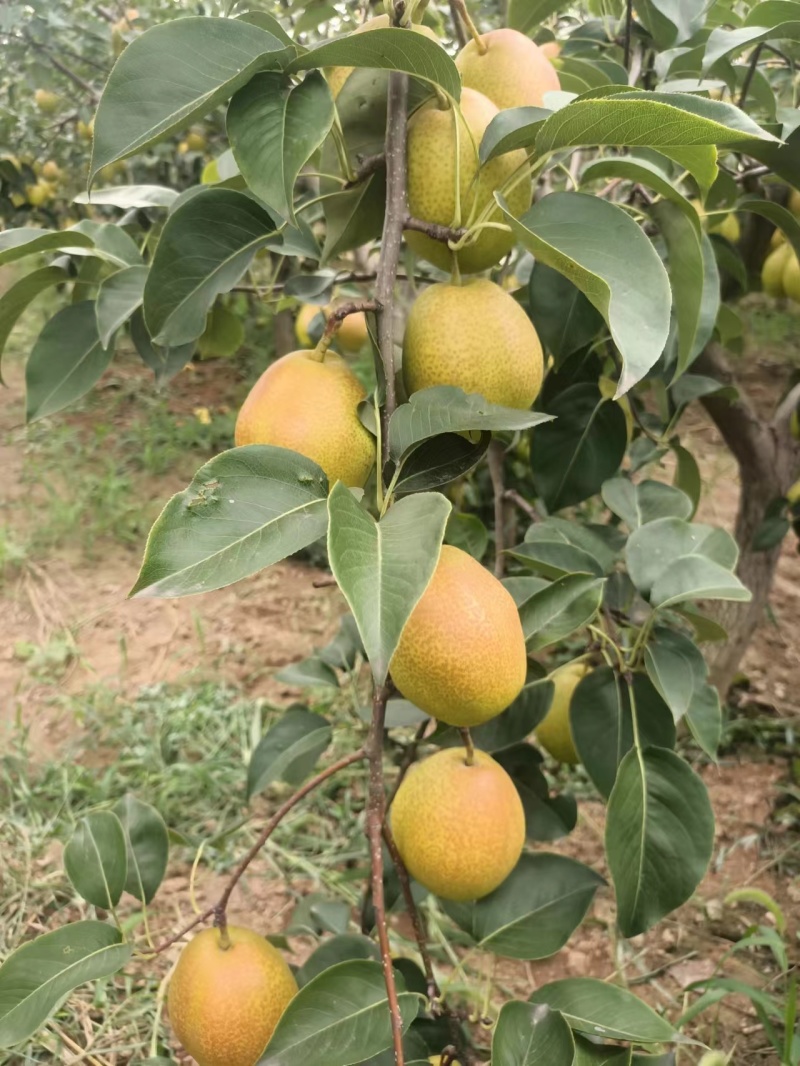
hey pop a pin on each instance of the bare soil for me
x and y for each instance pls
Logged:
(243, 634)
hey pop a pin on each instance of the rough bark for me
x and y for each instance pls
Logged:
(769, 462)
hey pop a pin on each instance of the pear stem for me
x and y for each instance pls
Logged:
(466, 736)
(474, 33)
(219, 910)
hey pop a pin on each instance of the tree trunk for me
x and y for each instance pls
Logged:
(769, 462)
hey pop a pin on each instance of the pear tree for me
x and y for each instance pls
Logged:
(526, 218)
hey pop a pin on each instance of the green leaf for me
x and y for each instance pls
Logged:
(274, 129)
(659, 836)
(557, 611)
(164, 362)
(387, 49)
(676, 667)
(66, 360)
(643, 170)
(588, 1053)
(111, 242)
(440, 460)
(722, 42)
(384, 567)
(512, 128)
(536, 909)
(554, 557)
(781, 218)
(687, 475)
(95, 859)
(312, 671)
(694, 279)
(648, 120)
(511, 726)
(564, 318)
(602, 251)
(448, 409)
(528, 15)
(602, 729)
(289, 750)
(705, 628)
(117, 298)
(173, 74)
(585, 445)
(647, 501)
(341, 1017)
(605, 1010)
(695, 577)
(342, 948)
(129, 197)
(147, 841)
(244, 510)
(532, 1035)
(37, 978)
(467, 532)
(17, 243)
(17, 297)
(546, 817)
(195, 262)
(653, 550)
(704, 718)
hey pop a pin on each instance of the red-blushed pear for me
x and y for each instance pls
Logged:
(459, 827)
(475, 336)
(461, 657)
(508, 68)
(310, 405)
(433, 152)
(226, 996)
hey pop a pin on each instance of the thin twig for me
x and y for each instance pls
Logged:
(339, 314)
(434, 230)
(519, 501)
(628, 28)
(413, 913)
(458, 25)
(376, 809)
(65, 70)
(367, 166)
(754, 58)
(408, 760)
(217, 911)
(495, 458)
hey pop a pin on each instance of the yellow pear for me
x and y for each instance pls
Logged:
(459, 828)
(728, 227)
(51, 170)
(555, 733)
(508, 68)
(196, 141)
(85, 130)
(305, 316)
(353, 332)
(310, 406)
(47, 102)
(551, 49)
(793, 202)
(437, 1060)
(461, 657)
(773, 268)
(474, 336)
(432, 182)
(791, 278)
(337, 76)
(225, 1001)
(39, 193)
(778, 238)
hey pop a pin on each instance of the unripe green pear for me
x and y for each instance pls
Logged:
(509, 68)
(474, 336)
(310, 406)
(225, 998)
(459, 828)
(461, 657)
(432, 182)
(554, 733)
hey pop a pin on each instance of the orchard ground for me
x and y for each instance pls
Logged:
(88, 679)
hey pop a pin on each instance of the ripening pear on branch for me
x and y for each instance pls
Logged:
(309, 404)
(509, 68)
(461, 657)
(459, 828)
(225, 1001)
(432, 182)
(791, 278)
(475, 336)
(554, 733)
(773, 268)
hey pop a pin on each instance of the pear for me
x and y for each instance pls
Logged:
(475, 336)
(791, 277)
(554, 733)
(432, 182)
(310, 405)
(773, 268)
(459, 828)
(461, 657)
(508, 68)
(226, 997)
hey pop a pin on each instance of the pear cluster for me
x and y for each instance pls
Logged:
(780, 274)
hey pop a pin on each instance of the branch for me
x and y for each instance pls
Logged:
(458, 25)
(754, 58)
(56, 62)
(628, 27)
(786, 406)
(495, 457)
(396, 211)
(434, 229)
(367, 166)
(519, 501)
(376, 811)
(217, 911)
(339, 314)
(413, 912)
